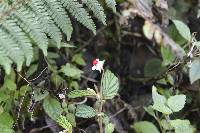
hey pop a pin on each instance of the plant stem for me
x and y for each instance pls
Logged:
(100, 120)
(159, 122)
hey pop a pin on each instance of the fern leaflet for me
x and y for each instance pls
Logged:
(97, 9)
(111, 4)
(77, 10)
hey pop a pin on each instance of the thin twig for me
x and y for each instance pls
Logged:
(89, 79)
(118, 112)
(38, 75)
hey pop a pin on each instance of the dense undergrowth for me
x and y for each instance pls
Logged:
(99, 66)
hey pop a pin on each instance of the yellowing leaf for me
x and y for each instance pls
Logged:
(62, 121)
(81, 93)
(109, 128)
(148, 30)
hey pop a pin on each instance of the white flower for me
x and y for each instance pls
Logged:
(61, 96)
(97, 65)
(64, 131)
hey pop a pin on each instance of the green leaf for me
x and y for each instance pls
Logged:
(63, 122)
(167, 56)
(145, 127)
(71, 71)
(40, 94)
(150, 110)
(110, 85)
(85, 111)
(109, 128)
(81, 93)
(165, 124)
(149, 68)
(56, 79)
(3, 95)
(175, 35)
(181, 126)
(182, 29)
(159, 102)
(6, 123)
(71, 118)
(78, 58)
(52, 107)
(111, 4)
(1, 109)
(176, 103)
(10, 84)
(194, 72)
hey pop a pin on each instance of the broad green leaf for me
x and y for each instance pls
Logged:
(52, 107)
(74, 85)
(40, 94)
(5, 129)
(85, 111)
(167, 56)
(63, 122)
(194, 72)
(165, 124)
(6, 123)
(24, 89)
(159, 102)
(10, 84)
(3, 95)
(145, 127)
(81, 93)
(71, 118)
(149, 68)
(181, 126)
(176, 103)
(150, 110)
(78, 58)
(110, 85)
(109, 128)
(71, 71)
(57, 79)
(175, 35)
(182, 29)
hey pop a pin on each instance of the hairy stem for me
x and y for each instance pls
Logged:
(100, 120)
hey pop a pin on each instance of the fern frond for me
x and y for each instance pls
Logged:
(11, 49)
(97, 9)
(39, 7)
(76, 9)
(111, 4)
(29, 23)
(58, 13)
(4, 59)
(19, 36)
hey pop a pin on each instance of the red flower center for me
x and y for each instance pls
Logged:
(94, 62)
